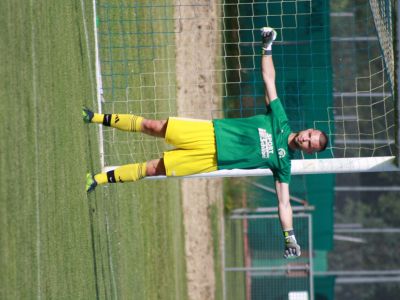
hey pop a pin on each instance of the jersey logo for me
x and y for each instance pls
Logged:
(281, 153)
(266, 144)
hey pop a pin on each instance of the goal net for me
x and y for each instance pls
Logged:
(196, 58)
(363, 64)
(337, 77)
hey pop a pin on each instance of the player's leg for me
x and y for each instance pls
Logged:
(156, 128)
(126, 122)
(126, 173)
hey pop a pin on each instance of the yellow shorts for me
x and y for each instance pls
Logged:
(195, 147)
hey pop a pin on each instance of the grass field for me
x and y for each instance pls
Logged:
(55, 241)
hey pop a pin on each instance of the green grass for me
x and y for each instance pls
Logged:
(123, 241)
(235, 281)
(214, 214)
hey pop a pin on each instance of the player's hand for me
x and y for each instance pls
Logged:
(292, 249)
(268, 35)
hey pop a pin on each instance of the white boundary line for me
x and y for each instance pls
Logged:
(223, 256)
(310, 254)
(110, 261)
(87, 44)
(99, 92)
(36, 122)
(99, 87)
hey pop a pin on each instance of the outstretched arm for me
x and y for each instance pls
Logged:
(292, 249)
(267, 65)
(284, 207)
(268, 74)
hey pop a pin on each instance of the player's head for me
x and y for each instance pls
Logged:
(311, 140)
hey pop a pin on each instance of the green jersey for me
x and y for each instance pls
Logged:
(256, 142)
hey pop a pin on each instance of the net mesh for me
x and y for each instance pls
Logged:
(334, 67)
(334, 63)
(363, 122)
(382, 12)
(137, 61)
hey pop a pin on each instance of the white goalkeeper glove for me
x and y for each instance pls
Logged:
(292, 249)
(268, 35)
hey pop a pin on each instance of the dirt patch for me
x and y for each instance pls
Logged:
(197, 96)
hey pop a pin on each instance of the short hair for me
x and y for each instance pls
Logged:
(323, 141)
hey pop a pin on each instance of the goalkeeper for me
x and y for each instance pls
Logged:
(262, 141)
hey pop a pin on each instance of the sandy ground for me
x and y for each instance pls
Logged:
(196, 41)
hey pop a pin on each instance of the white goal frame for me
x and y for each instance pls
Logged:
(306, 166)
(299, 167)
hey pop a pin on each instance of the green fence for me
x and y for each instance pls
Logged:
(302, 58)
(254, 265)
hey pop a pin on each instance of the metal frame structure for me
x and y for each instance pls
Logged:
(276, 270)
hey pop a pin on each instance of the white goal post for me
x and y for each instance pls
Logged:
(309, 166)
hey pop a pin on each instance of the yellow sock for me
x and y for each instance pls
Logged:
(121, 121)
(97, 118)
(101, 178)
(126, 173)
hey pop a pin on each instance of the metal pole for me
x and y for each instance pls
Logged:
(363, 279)
(240, 217)
(348, 225)
(358, 273)
(344, 238)
(397, 114)
(271, 209)
(286, 268)
(364, 142)
(273, 191)
(354, 39)
(360, 95)
(367, 189)
(342, 14)
(367, 230)
(311, 256)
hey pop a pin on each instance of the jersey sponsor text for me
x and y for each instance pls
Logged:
(267, 146)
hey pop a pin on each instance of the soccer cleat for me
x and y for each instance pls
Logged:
(268, 35)
(90, 183)
(87, 114)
